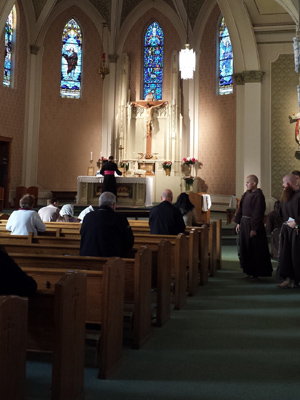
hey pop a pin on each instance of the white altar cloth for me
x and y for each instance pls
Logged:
(83, 194)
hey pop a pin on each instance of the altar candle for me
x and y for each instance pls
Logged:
(91, 155)
(103, 56)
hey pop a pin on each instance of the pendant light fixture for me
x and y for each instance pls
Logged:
(187, 57)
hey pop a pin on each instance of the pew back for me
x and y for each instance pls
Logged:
(13, 328)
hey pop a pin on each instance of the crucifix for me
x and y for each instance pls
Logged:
(149, 107)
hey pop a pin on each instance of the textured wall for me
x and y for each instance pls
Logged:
(134, 48)
(69, 129)
(217, 119)
(12, 100)
(283, 102)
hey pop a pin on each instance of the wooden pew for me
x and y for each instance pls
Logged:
(13, 328)
(215, 240)
(179, 261)
(70, 246)
(56, 323)
(137, 284)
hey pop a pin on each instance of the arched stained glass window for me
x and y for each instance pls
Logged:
(9, 38)
(225, 60)
(71, 56)
(153, 61)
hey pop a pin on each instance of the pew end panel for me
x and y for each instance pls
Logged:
(219, 243)
(204, 259)
(142, 297)
(181, 262)
(193, 262)
(69, 336)
(112, 322)
(163, 311)
(13, 330)
(212, 249)
(56, 324)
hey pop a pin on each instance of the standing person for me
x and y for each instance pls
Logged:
(105, 233)
(274, 223)
(289, 245)
(165, 219)
(297, 174)
(25, 220)
(49, 213)
(187, 209)
(254, 252)
(108, 170)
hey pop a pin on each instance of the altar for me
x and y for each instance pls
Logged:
(131, 191)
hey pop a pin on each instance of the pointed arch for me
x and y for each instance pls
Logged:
(71, 60)
(225, 58)
(153, 61)
(10, 45)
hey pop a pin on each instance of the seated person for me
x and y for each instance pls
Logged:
(187, 209)
(14, 281)
(104, 233)
(84, 212)
(274, 223)
(25, 220)
(165, 219)
(49, 213)
(66, 214)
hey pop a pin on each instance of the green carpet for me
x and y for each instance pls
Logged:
(236, 339)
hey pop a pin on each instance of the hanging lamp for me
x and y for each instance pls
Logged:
(187, 57)
(103, 70)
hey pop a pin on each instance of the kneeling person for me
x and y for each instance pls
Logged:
(104, 233)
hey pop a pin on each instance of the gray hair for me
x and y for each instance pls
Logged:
(107, 199)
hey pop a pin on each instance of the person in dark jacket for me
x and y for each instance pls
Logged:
(289, 244)
(254, 252)
(165, 219)
(104, 233)
(274, 223)
(108, 170)
(14, 281)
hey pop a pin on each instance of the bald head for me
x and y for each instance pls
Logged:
(290, 180)
(253, 178)
(167, 195)
(251, 182)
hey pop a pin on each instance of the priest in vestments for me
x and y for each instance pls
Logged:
(108, 170)
(254, 252)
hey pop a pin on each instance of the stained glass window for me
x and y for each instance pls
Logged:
(9, 47)
(71, 55)
(153, 61)
(225, 60)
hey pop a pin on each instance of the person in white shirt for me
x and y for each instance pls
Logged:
(25, 220)
(49, 213)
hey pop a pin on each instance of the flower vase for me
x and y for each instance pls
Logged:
(187, 170)
(188, 187)
(168, 171)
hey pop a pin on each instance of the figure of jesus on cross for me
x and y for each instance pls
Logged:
(149, 107)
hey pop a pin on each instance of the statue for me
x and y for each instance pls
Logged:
(296, 118)
(148, 107)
